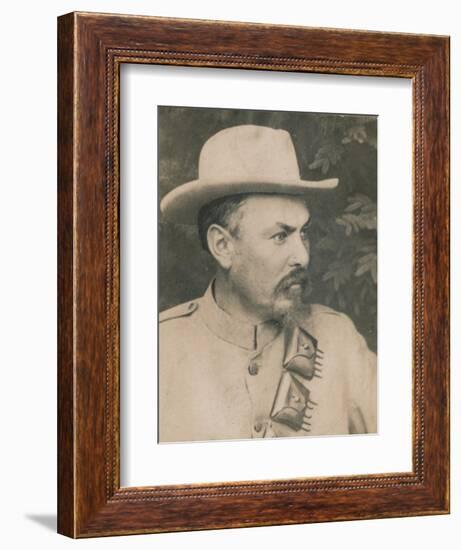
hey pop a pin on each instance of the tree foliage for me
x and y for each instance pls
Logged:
(346, 247)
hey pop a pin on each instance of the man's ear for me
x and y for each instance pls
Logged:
(220, 245)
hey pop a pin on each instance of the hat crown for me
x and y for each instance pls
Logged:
(236, 160)
(249, 153)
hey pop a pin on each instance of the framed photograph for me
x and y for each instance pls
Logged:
(253, 316)
(253, 275)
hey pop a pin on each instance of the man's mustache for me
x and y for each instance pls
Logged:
(297, 276)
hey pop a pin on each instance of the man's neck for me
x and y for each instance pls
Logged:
(229, 299)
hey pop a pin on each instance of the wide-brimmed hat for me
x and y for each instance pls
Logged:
(240, 159)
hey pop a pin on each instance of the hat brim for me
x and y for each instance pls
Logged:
(182, 204)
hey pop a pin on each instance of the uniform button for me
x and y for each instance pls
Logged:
(308, 349)
(258, 427)
(253, 368)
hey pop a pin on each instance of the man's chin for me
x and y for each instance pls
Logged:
(290, 305)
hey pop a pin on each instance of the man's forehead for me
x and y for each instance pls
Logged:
(270, 209)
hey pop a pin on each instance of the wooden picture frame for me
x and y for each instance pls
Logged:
(92, 48)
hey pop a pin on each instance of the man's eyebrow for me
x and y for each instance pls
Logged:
(285, 227)
(291, 228)
(308, 222)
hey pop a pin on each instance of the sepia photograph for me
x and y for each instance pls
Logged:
(267, 274)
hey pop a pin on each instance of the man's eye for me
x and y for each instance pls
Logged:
(280, 237)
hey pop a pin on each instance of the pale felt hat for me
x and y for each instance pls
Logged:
(240, 159)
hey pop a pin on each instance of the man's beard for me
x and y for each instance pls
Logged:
(289, 298)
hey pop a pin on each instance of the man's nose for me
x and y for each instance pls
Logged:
(300, 252)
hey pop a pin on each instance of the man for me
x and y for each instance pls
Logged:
(253, 357)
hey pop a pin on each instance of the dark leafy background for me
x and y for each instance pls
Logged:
(343, 230)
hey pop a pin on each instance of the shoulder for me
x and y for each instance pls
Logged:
(181, 311)
(322, 313)
(321, 319)
(178, 327)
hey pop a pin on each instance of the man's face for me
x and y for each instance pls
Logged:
(271, 254)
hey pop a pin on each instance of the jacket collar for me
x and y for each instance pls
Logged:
(235, 331)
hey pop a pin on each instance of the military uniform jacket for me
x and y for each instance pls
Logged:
(220, 378)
